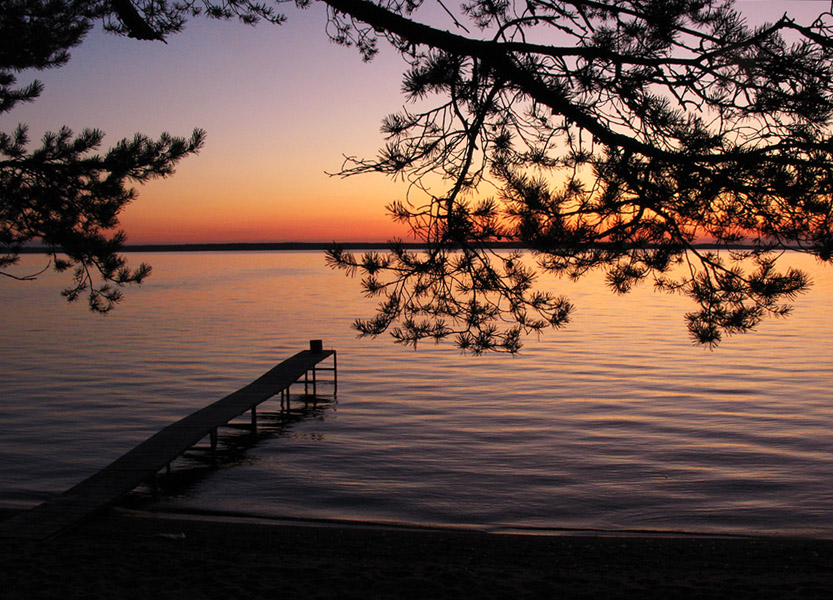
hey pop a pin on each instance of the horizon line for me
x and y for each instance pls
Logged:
(288, 246)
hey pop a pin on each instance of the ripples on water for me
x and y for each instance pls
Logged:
(617, 422)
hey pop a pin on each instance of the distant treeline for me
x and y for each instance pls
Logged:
(288, 246)
(271, 246)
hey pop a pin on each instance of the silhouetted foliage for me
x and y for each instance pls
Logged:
(69, 198)
(64, 194)
(599, 134)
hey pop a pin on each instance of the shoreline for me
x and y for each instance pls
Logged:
(133, 554)
(128, 508)
(197, 514)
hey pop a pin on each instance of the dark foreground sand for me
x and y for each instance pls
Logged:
(129, 556)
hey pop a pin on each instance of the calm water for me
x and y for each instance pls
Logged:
(616, 423)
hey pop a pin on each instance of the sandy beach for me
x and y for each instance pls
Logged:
(139, 555)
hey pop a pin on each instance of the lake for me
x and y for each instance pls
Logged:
(616, 423)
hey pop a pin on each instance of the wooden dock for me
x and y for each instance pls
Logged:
(144, 462)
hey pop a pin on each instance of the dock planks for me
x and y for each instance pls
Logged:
(101, 490)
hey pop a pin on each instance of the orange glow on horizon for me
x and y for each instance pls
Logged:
(249, 230)
(203, 203)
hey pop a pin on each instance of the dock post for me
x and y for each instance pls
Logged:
(254, 419)
(314, 386)
(335, 374)
(213, 438)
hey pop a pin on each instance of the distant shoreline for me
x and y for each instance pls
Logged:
(241, 247)
(301, 246)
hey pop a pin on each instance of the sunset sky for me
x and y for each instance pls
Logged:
(281, 105)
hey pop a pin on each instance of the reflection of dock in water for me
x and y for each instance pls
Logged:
(234, 441)
(145, 461)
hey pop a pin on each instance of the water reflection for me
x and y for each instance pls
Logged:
(616, 421)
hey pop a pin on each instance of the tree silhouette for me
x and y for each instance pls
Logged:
(598, 134)
(615, 135)
(64, 193)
